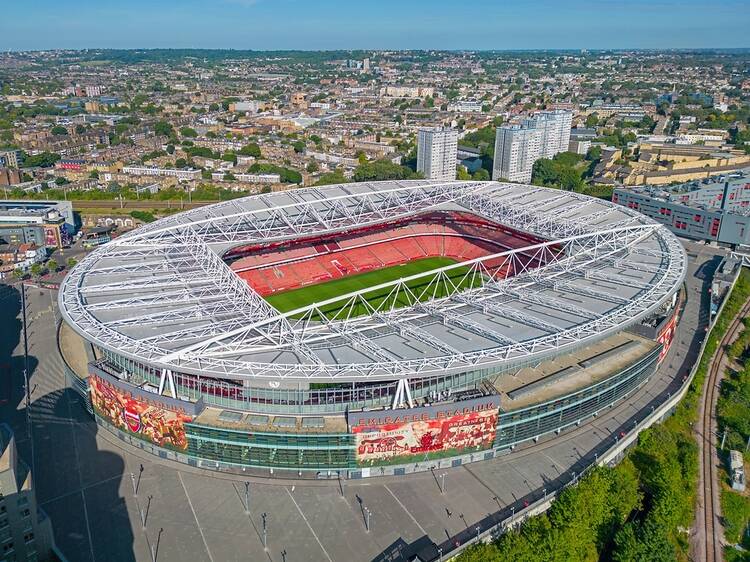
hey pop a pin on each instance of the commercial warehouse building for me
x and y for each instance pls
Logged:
(42, 223)
(715, 209)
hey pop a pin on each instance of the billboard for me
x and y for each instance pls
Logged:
(419, 434)
(151, 420)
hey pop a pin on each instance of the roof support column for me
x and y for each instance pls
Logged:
(167, 378)
(403, 395)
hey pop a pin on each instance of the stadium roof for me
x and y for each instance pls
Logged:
(162, 295)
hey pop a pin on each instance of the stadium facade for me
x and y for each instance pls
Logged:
(302, 331)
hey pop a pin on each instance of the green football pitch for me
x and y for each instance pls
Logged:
(298, 298)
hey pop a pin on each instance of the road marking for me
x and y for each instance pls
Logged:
(88, 527)
(398, 501)
(200, 529)
(83, 489)
(308, 525)
(80, 479)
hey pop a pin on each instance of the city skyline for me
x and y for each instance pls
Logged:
(332, 24)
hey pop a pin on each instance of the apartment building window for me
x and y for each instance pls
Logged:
(28, 537)
(25, 513)
(7, 547)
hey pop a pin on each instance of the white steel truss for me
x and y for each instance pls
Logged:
(202, 318)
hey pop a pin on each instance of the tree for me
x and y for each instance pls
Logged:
(337, 176)
(251, 149)
(94, 174)
(18, 273)
(299, 146)
(52, 265)
(72, 262)
(188, 132)
(561, 171)
(592, 120)
(287, 175)
(544, 172)
(481, 175)
(36, 270)
(164, 128)
(143, 216)
(594, 154)
(462, 173)
(383, 170)
(229, 157)
(41, 160)
(312, 167)
(180, 163)
(170, 149)
(59, 130)
(80, 129)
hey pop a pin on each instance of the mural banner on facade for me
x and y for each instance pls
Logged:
(416, 434)
(152, 420)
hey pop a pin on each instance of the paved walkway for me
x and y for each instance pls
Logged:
(84, 484)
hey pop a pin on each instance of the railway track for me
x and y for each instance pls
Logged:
(137, 204)
(712, 547)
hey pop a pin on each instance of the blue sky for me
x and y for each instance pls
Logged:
(374, 24)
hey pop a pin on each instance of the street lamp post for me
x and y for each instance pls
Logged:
(247, 497)
(265, 533)
(442, 483)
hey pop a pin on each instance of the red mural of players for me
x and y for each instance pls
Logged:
(401, 442)
(163, 427)
(666, 336)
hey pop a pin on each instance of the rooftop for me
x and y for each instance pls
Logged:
(162, 295)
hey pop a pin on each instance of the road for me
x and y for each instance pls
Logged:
(82, 473)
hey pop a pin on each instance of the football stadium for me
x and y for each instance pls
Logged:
(366, 329)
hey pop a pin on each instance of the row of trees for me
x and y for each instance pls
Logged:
(630, 513)
(563, 171)
(38, 269)
(378, 170)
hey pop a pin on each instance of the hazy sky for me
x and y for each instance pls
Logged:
(374, 24)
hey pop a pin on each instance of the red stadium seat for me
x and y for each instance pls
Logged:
(281, 266)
